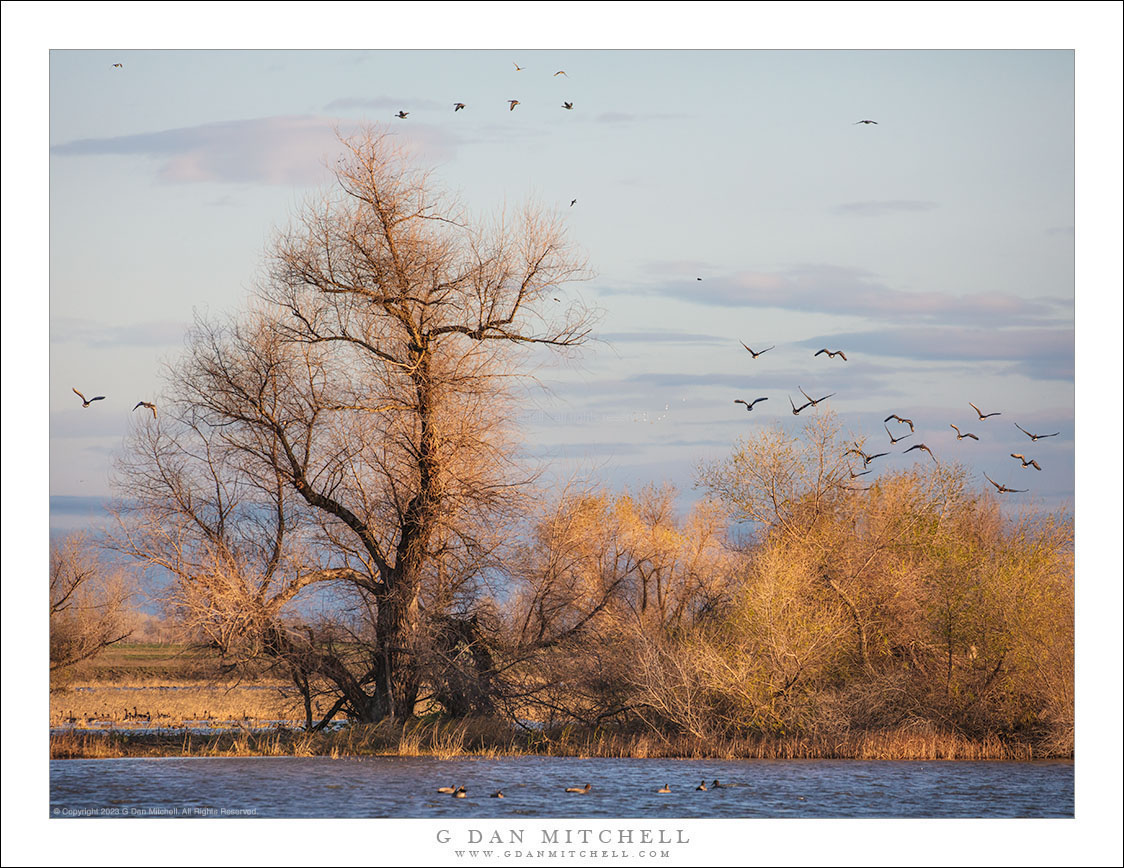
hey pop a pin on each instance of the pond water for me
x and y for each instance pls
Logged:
(535, 787)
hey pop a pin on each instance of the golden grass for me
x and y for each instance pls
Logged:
(158, 703)
(491, 738)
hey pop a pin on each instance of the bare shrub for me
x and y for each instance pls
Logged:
(90, 604)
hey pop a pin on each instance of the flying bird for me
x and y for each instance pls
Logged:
(402, 114)
(85, 402)
(902, 421)
(832, 355)
(1035, 437)
(755, 355)
(518, 68)
(560, 72)
(796, 410)
(866, 458)
(864, 122)
(926, 448)
(457, 106)
(894, 439)
(147, 404)
(1026, 463)
(749, 404)
(567, 105)
(118, 66)
(857, 475)
(960, 436)
(573, 202)
(1004, 488)
(982, 415)
(814, 401)
(512, 104)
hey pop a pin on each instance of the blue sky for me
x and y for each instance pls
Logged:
(937, 247)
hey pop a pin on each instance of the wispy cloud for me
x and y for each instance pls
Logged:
(685, 267)
(156, 333)
(855, 292)
(94, 431)
(615, 118)
(1044, 353)
(659, 336)
(882, 208)
(628, 117)
(390, 103)
(669, 379)
(289, 150)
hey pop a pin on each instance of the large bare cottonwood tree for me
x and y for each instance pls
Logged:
(352, 431)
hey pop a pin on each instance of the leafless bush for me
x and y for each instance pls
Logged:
(90, 604)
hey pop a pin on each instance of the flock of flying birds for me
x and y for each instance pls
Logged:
(749, 405)
(457, 106)
(86, 402)
(512, 103)
(858, 450)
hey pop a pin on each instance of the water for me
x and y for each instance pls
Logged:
(535, 787)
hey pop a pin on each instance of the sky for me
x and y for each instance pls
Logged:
(722, 197)
(725, 193)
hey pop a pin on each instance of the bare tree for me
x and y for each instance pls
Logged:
(599, 579)
(352, 431)
(90, 604)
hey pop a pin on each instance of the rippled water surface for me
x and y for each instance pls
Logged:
(535, 786)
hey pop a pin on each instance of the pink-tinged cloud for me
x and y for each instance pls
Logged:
(855, 292)
(288, 150)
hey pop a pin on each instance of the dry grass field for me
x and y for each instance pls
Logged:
(149, 686)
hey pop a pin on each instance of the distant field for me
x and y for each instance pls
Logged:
(149, 684)
(123, 662)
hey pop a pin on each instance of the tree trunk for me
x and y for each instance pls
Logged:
(860, 629)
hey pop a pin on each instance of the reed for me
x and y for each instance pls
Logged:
(472, 737)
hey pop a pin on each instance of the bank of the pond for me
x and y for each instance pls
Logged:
(472, 738)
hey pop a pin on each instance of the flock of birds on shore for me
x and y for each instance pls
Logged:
(461, 792)
(858, 450)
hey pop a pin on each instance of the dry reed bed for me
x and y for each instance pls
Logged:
(482, 738)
